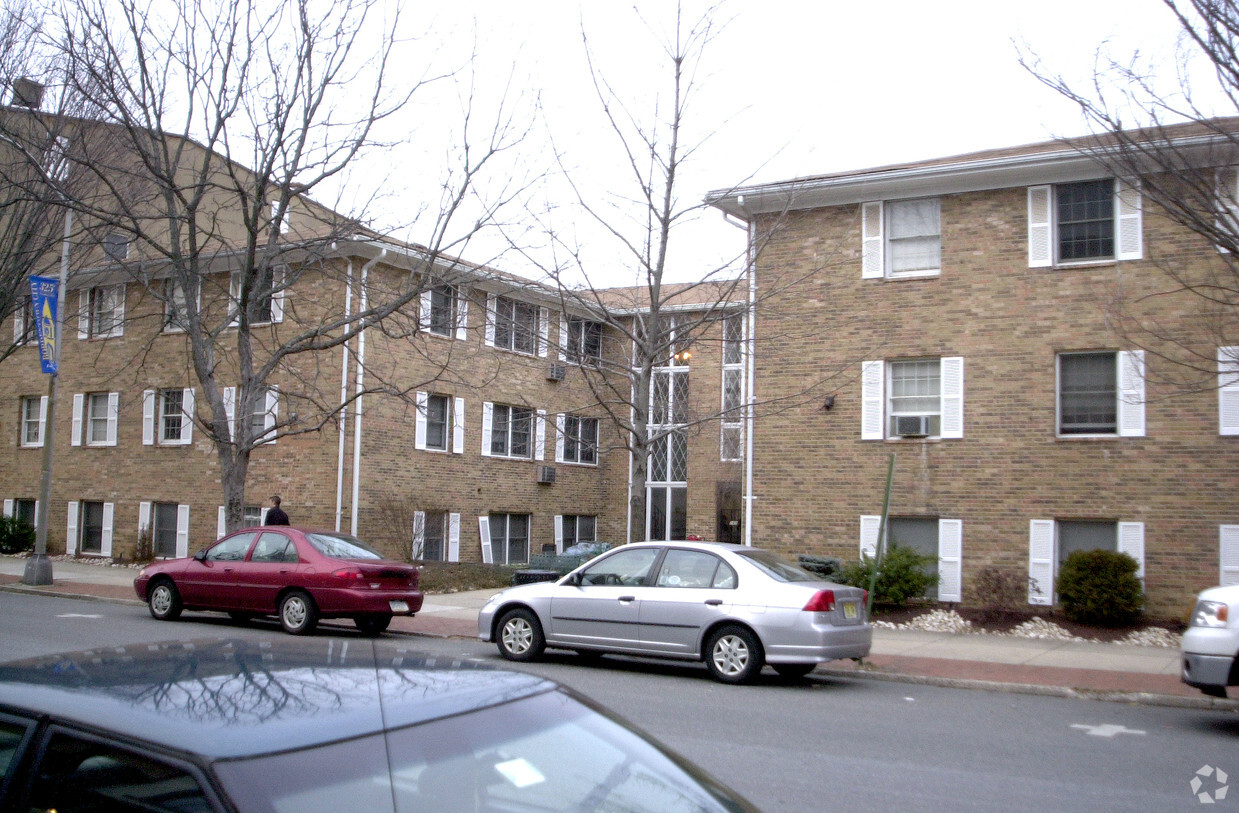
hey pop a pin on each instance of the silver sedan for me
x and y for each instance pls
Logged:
(736, 608)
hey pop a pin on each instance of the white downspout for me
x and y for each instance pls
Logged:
(348, 305)
(750, 374)
(362, 304)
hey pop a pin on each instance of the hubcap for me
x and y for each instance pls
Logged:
(731, 655)
(294, 612)
(517, 636)
(161, 599)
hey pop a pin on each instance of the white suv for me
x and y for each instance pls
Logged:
(1211, 644)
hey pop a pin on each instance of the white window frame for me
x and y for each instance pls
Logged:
(25, 422)
(174, 292)
(876, 240)
(494, 302)
(154, 412)
(91, 305)
(83, 418)
(503, 522)
(279, 276)
(459, 311)
(537, 432)
(454, 431)
(731, 428)
(1129, 395)
(1228, 390)
(875, 407)
(1043, 239)
(565, 521)
(950, 553)
(73, 539)
(562, 434)
(25, 331)
(270, 404)
(572, 349)
(451, 534)
(146, 521)
(1043, 555)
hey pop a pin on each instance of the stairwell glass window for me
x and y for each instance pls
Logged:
(1086, 221)
(901, 238)
(1101, 393)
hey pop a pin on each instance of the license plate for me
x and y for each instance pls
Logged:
(403, 606)
(849, 611)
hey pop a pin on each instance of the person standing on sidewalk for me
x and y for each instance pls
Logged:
(275, 514)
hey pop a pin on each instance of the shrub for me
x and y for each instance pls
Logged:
(828, 567)
(1100, 587)
(999, 591)
(905, 574)
(454, 577)
(144, 550)
(16, 535)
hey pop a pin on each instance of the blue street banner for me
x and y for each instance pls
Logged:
(44, 302)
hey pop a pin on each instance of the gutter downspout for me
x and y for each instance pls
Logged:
(362, 304)
(348, 305)
(750, 327)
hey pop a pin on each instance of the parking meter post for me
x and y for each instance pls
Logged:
(880, 548)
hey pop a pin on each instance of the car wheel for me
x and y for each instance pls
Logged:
(164, 601)
(240, 617)
(298, 615)
(733, 655)
(794, 670)
(520, 636)
(371, 625)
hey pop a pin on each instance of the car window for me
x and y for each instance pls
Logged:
(77, 774)
(626, 567)
(231, 549)
(694, 568)
(12, 733)
(342, 546)
(273, 547)
(776, 568)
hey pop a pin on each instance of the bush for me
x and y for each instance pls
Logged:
(16, 535)
(144, 550)
(828, 567)
(455, 577)
(999, 591)
(1100, 587)
(905, 574)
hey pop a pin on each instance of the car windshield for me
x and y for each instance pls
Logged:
(777, 568)
(550, 752)
(341, 546)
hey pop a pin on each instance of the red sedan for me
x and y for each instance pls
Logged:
(295, 574)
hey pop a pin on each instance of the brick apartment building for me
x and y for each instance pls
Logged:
(960, 314)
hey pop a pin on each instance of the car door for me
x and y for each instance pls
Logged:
(691, 590)
(211, 578)
(601, 609)
(272, 564)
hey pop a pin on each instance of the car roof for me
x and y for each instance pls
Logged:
(723, 547)
(231, 698)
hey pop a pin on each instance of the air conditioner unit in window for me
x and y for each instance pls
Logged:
(555, 372)
(546, 474)
(912, 426)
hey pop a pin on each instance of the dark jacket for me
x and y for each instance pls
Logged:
(276, 516)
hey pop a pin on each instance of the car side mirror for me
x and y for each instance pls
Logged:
(200, 556)
(575, 579)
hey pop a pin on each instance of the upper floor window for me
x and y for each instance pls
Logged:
(511, 431)
(1101, 393)
(440, 423)
(578, 439)
(582, 340)
(263, 415)
(1084, 221)
(901, 238)
(912, 398)
(24, 329)
(669, 397)
(266, 302)
(514, 325)
(115, 246)
(733, 338)
(101, 312)
(94, 418)
(444, 311)
(1228, 390)
(33, 419)
(175, 307)
(167, 417)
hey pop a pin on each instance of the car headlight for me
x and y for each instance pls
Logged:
(1210, 614)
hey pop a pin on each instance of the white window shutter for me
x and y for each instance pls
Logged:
(144, 518)
(950, 560)
(113, 411)
(71, 530)
(1131, 394)
(1129, 240)
(221, 526)
(453, 537)
(423, 320)
(273, 413)
(462, 315)
(118, 326)
(8, 508)
(872, 399)
(182, 530)
(277, 295)
(559, 437)
(539, 449)
(487, 409)
(42, 419)
(1131, 542)
(419, 422)
(484, 536)
(563, 337)
(105, 546)
(1227, 192)
(78, 404)
(419, 535)
(1040, 227)
(870, 527)
(148, 417)
(559, 533)
(1041, 562)
(458, 426)
(83, 314)
(873, 260)
(1228, 554)
(230, 411)
(1228, 390)
(188, 410)
(544, 328)
(490, 320)
(952, 379)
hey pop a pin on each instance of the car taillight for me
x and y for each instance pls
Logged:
(348, 574)
(823, 601)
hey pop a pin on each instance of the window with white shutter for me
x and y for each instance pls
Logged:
(1228, 390)
(1085, 221)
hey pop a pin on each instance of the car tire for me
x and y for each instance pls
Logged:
(793, 670)
(372, 625)
(240, 617)
(164, 601)
(733, 655)
(298, 614)
(519, 636)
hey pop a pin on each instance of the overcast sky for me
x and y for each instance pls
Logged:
(788, 89)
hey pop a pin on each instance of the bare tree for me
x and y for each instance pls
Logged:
(210, 127)
(1170, 139)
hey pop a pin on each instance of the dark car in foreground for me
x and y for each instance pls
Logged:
(301, 726)
(296, 574)
(736, 608)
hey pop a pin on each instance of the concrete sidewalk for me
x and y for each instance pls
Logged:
(998, 662)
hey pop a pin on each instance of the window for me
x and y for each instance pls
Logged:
(669, 397)
(732, 440)
(444, 311)
(163, 529)
(688, 569)
(1101, 394)
(115, 246)
(583, 342)
(1228, 390)
(515, 325)
(1050, 542)
(232, 549)
(440, 423)
(509, 538)
(263, 414)
(266, 299)
(574, 528)
(27, 511)
(433, 537)
(33, 419)
(629, 568)
(92, 527)
(578, 440)
(24, 328)
(252, 516)
(1084, 222)
(508, 431)
(939, 539)
(175, 307)
(167, 417)
(94, 418)
(101, 312)
(172, 418)
(912, 398)
(901, 238)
